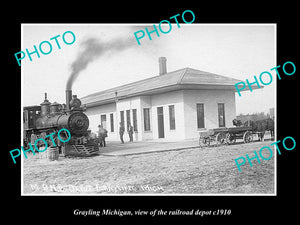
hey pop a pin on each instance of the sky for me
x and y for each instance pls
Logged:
(235, 50)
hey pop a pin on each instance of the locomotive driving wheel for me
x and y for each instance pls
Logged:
(247, 137)
(230, 138)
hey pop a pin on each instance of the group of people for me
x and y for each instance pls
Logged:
(40, 144)
(102, 134)
(122, 130)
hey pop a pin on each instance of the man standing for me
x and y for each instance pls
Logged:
(33, 138)
(59, 144)
(43, 136)
(130, 132)
(102, 136)
(121, 132)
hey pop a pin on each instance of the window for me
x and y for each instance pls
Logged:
(31, 115)
(146, 119)
(128, 119)
(112, 128)
(221, 114)
(103, 120)
(24, 116)
(134, 120)
(172, 117)
(200, 116)
(122, 117)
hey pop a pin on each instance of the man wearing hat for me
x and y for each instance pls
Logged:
(102, 135)
(33, 138)
(121, 132)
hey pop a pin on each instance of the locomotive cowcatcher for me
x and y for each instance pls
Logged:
(49, 118)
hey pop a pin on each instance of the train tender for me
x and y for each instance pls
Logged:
(48, 118)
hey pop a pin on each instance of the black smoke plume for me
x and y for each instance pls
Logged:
(92, 49)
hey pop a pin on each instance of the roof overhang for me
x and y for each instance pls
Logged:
(244, 87)
(95, 102)
(32, 107)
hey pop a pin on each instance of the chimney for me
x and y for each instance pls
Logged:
(162, 65)
(68, 99)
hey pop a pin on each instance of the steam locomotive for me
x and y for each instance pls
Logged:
(48, 118)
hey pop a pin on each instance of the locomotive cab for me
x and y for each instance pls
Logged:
(30, 114)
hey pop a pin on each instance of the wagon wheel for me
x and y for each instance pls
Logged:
(204, 141)
(221, 138)
(247, 137)
(230, 138)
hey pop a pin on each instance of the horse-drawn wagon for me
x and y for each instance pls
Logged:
(234, 133)
(225, 135)
(241, 130)
(217, 135)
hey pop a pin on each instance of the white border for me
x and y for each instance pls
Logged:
(147, 24)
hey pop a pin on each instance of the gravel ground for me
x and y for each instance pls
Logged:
(209, 170)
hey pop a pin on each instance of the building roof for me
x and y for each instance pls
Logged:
(32, 107)
(186, 78)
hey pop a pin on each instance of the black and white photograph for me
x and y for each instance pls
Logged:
(149, 113)
(164, 109)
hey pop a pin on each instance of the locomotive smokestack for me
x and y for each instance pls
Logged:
(68, 99)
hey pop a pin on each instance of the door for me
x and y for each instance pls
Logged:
(221, 114)
(160, 122)
(103, 120)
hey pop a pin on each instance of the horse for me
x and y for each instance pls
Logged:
(237, 122)
(261, 126)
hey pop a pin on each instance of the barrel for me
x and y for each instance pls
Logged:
(52, 153)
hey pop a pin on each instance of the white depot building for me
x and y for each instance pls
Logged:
(171, 106)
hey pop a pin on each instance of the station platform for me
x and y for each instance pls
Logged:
(144, 147)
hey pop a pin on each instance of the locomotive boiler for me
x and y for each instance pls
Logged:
(51, 117)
